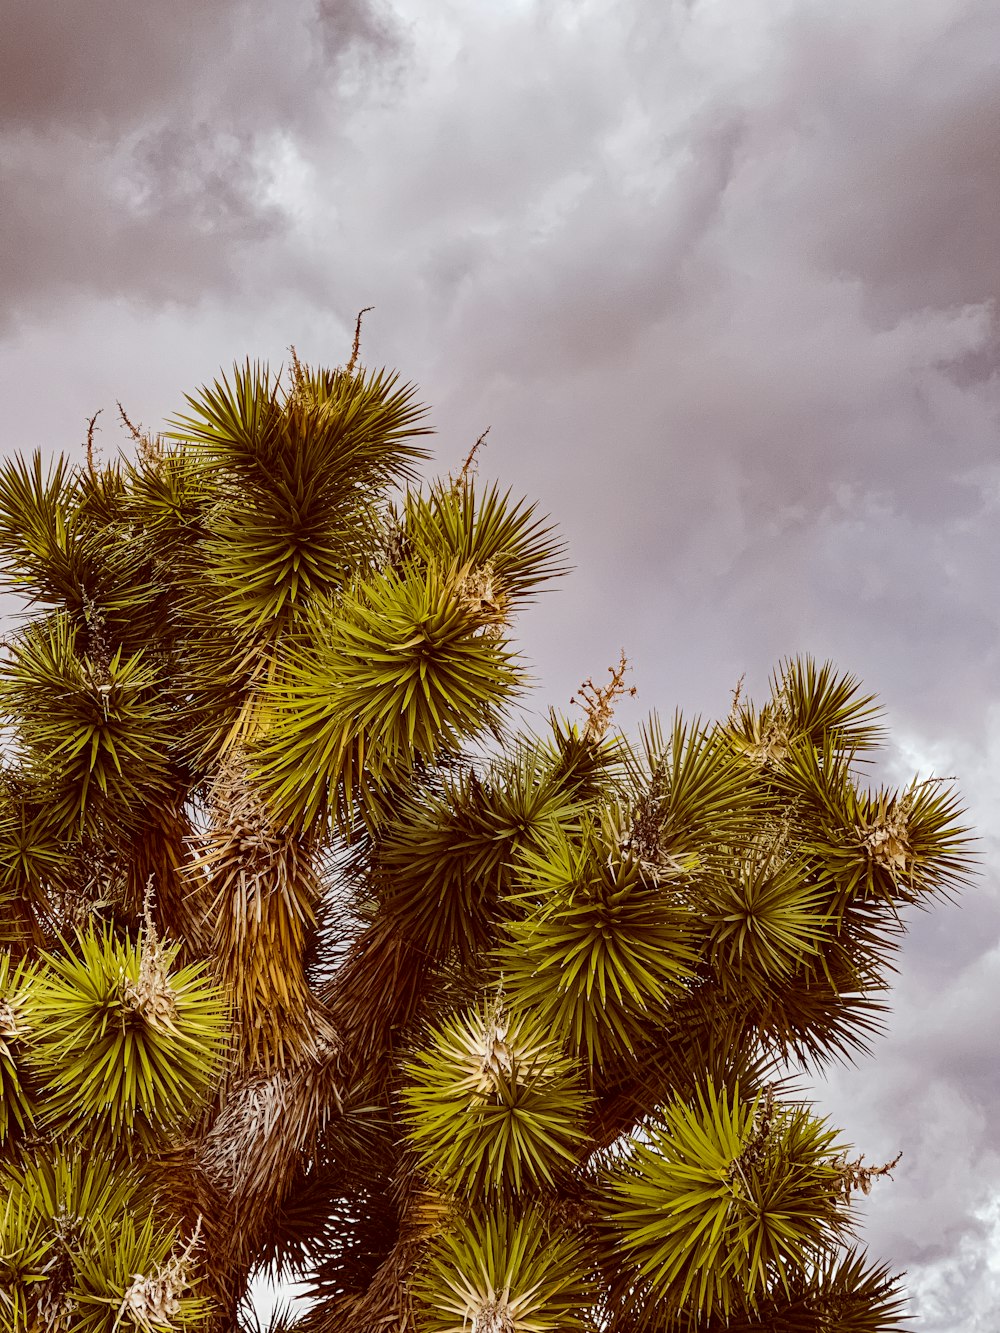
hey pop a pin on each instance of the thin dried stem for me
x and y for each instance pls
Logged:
(150, 447)
(598, 701)
(856, 1176)
(471, 464)
(734, 707)
(356, 349)
(91, 429)
(300, 383)
(134, 430)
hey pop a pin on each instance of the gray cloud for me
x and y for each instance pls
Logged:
(722, 278)
(106, 64)
(142, 146)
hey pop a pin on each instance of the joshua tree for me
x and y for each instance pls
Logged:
(315, 960)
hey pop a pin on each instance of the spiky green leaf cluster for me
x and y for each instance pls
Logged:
(95, 731)
(400, 670)
(122, 1043)
(727, 1200)
(494, 1105)
(300, 475)
(516, 1272)
(82, 1248)
(604, 941)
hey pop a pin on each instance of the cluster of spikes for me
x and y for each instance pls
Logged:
(316, 963)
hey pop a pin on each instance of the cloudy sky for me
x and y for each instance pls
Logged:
(720, 275)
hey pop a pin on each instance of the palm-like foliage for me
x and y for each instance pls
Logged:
(494, 1104)
(726, 1201)
(122, 1044)
(310, 960)
(506, 1272)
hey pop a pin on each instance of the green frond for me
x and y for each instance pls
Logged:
(765, 920)
(358, 425)
(588, 768)
(235, 425)
(17, 1100)
(519, 1273)
(851, 1295)
(25, 1261)
(445, 857)
(78, 1184)
(99, 731)
(481, 530)
(439, 866)
(80, 1249)
(809, 705)
(68, 544)
(401, 671)
(841, 1293)
(39, 530)
(33, 855)
(902, 847)
(300, 477)
(138, 1278)
(493, 1103)
(725, 1200)
(913, 844)
(169, 495)
(123, 1044)
(52, 1204)
(604, 941)
(694, 798)
(817, 1018)
(708, 1042)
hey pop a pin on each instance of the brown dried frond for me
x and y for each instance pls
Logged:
(356, 349)
(260, 885)
(496, 1059)
(56, 1308)
(886, 837)
(757, 1145)
(480, 593)
(856, 1176)
(153, 1301)
(251, 1116)
(100, 649)
(886, 842)
(268, 1123)
(9, 1029)
(160, 853)
(598, 701)
(772, 736)
(387, 1306)
(428, 1212)
(756, 1148)
(377, 990)
(494, 1317)
(91, 430)
(151, 994)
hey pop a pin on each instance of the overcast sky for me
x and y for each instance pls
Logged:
(720, 276)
